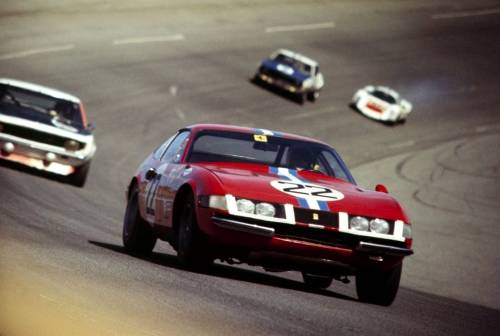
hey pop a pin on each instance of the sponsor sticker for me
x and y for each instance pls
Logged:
(260, 137)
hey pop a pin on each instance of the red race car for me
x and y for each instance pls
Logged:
(276, 200)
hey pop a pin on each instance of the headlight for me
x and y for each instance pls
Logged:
(359, 223)
(217, 202)
(379, 226)
(245, 205)
(71, 145)
(265, 209)
(407, 231)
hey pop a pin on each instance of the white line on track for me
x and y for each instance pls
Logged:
(32, 52)
(149, 39)
(312, 26)
(456, 15)
(486, 128)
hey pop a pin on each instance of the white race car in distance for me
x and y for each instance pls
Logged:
(381, 103)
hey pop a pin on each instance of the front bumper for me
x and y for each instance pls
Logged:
(272, 247)
(281, 84)
(42, 156)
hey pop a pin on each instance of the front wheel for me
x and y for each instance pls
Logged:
(191, 247)
(378, 287)
(79, 177)
(138, 237)
(312, 96)
(316, 281)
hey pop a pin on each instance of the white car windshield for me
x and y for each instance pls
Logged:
(306, 68)
(35, 106)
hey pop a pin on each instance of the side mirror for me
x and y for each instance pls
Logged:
(150, 174)
(91, 127)
(381, 188)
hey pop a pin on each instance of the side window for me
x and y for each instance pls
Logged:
(176, 148)
(335, 165)
(160, 150)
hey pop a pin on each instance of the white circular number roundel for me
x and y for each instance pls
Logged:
(307, 190)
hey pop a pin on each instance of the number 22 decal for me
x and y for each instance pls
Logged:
(307, 191)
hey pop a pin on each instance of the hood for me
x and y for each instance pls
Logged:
(303, 189)
(285, 70)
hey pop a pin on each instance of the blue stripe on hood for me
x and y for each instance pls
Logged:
(297, 74)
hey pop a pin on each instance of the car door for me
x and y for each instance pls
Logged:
(147, 182)
(160, 196)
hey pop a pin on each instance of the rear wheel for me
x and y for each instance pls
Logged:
(317, 281)
(378, 287)
(191, 247)
(138, 237)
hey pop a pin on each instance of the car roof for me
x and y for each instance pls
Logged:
(40, 89)
(250, 130)
(297, 56)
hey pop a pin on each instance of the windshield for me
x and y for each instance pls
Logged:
(221, 146)
(38, 107)
(306, 68)
(384, 96)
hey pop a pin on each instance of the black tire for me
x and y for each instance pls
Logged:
(79, 177)
(301, 98)
(138, 237)
(378, 287)
(312, 96)
(317, 281)
(192, 249)
(256, 79)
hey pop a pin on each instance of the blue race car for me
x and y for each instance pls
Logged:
(291, 72)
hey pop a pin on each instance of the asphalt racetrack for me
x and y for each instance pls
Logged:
(145, 69)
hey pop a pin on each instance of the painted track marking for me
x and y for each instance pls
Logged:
(312, 26)
(149, 39)
(456, 15)
(32, 52)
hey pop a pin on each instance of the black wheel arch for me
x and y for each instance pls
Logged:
(184, 191)
(133, 183)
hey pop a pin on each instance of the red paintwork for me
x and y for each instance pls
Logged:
(253, 181)
(83, 115)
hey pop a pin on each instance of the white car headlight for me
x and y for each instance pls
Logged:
(379, 226)
(71, 145)
(265, 209)
(245, 205)
(359, 223)
(217, 202)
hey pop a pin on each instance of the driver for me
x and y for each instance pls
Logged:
(302, 158)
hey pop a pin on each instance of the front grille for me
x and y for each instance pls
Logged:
(308, 216)
(34, 135)
(315, 235)
(281, 76)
